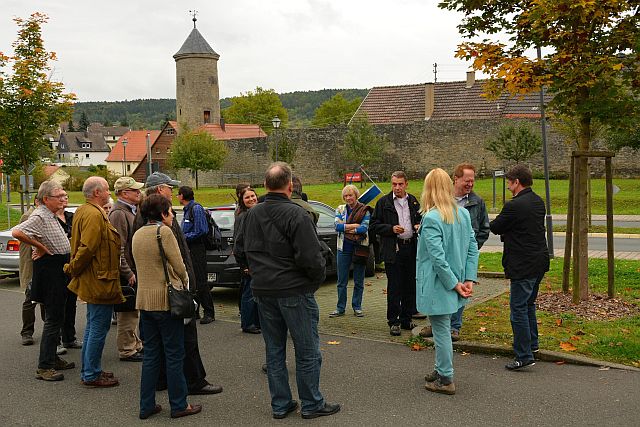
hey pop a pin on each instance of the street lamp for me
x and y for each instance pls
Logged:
(276, 124)
(124, 159)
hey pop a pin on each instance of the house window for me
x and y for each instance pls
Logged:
(157, 151)
(207, 116)
(171, 131)
(168, 150)
(86, 156)
(86, 145)
(128, 168)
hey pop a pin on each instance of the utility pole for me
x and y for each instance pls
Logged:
(435, 72)
(545, 157)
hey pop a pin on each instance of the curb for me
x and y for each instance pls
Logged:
(491, 274)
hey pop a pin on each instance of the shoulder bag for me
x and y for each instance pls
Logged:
(181, 303)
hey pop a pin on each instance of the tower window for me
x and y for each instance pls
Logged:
(207, 116)
(182, 80)
(213, 80)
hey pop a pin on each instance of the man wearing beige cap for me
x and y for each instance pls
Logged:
(121, 217)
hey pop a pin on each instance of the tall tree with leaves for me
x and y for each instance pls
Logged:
(283, 148)
(84, 123)
(515, 143)
(70, 127)
(259, 106)
(31, 104)
(197, 151)
(335, 111)
(591, 65)
(362, 145)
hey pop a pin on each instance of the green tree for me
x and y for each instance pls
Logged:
(625, 138)
(515, 143)
(70, 127)
(258, 107)
(106, 123)
(590, 65)
(283, 148)
(335, 111)
(197, 151)
(362, 145)
(31, 104)
(83, 126)
(124, 121)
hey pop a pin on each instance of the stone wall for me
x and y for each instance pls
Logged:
(415, 148)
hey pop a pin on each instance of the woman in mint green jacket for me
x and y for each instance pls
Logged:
(446, 268)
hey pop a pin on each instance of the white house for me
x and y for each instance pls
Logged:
(82, 149)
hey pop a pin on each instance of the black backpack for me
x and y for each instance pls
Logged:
(213, 239)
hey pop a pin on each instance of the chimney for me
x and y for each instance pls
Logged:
(429, 100)
(471, 79)
(222, 123)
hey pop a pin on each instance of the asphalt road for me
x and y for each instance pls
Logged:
(378, 384)
(595, 243)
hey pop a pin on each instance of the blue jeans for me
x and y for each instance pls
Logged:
(299, 315)
(162, 332)
(344, 261)
(522, 303)
(456, 319)
(441, 326)
(248, 307)
(95, 334)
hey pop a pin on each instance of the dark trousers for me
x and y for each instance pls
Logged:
(194, 371)
(401, 286)
(203, 292)
(29, 314)
(248, 307)
(68, 331)
(54, 318)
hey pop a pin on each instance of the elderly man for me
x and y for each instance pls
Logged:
(95, 276)
(278, 242)
(525, 259)
(194, 373)
(121, 217)
(49, 283)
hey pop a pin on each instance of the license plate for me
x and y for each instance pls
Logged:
(212, 277)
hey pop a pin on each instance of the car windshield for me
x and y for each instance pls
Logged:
(224, 218)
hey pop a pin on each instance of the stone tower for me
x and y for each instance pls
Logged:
(197, 91)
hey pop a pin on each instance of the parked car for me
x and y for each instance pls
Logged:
(222, 269)
(9, 252)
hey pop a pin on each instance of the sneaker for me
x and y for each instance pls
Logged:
(336, 313)
(439, 386)
(61, 350)
(74, 344)
(408, 326)
(455, 336)
(395, 330)
(358, 313)
(114, 318)
(432, 376)
(27, 340)
(62, 364)
(426, 332)
(516, 364)
(49, 375)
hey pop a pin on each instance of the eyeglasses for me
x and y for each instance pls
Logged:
(60, 196)
(132, 190)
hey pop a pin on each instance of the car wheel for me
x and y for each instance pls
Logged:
(370, 269)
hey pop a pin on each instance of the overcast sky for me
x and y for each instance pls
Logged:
(116, 50)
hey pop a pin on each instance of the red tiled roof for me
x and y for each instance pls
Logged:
(234, 131)
(136, 145)
(50, 170)
(394, 104)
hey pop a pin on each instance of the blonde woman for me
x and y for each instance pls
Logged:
(446, 268)
(352, 224)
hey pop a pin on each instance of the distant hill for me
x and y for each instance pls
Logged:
(152, 113)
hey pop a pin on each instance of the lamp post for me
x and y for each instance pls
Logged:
(276, 124)
(124, 158)
(148, 154)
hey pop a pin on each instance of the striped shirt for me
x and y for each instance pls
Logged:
(43, 226)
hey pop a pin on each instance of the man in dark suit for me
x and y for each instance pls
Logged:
(395, 220)
(525, 259)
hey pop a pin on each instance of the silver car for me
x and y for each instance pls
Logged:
(9, 252)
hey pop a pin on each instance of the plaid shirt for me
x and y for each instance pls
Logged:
(43, 226)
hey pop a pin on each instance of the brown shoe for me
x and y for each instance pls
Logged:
(455, 336)
(102, 382)
(426, 332)
(189, 410)
(106, 374)
(438, 386)
(62, 364)
(49, 375)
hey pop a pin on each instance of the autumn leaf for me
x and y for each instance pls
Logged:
(560, 362)
(416, 347)
(558, 322)
(482, 329)
(368, 283)
(625, 331)
(574, 338)
(580, 332)
(567, 346)
(464, 353)
(384, 291)
(333, 342)
(603, 368)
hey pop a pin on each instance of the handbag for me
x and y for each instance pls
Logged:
(129, 294)
(360, 254)
(181, 303)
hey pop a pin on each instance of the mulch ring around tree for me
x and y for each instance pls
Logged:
(597, 307)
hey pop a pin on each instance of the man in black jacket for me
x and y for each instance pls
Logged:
(525, 259)
(395, 220)
(278, 241)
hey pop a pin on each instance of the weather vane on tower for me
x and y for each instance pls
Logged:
(194, 13)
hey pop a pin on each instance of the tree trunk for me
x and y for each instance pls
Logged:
(196, 179)
(25, 194)
(583, 208)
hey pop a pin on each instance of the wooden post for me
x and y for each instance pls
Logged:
(583, 230)
(566, 269)
(576, 235)
(610, 263)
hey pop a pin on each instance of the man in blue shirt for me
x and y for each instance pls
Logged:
(195, 228)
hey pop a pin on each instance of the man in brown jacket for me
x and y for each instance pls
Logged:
(95, 276)
(121, 217)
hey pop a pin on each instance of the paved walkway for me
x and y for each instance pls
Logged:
(559, 253)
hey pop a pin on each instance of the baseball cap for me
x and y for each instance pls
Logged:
(158, 178)
(127, 182)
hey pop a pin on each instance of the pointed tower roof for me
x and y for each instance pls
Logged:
(195, 44)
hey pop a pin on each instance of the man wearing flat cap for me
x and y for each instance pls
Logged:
(121, 217)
